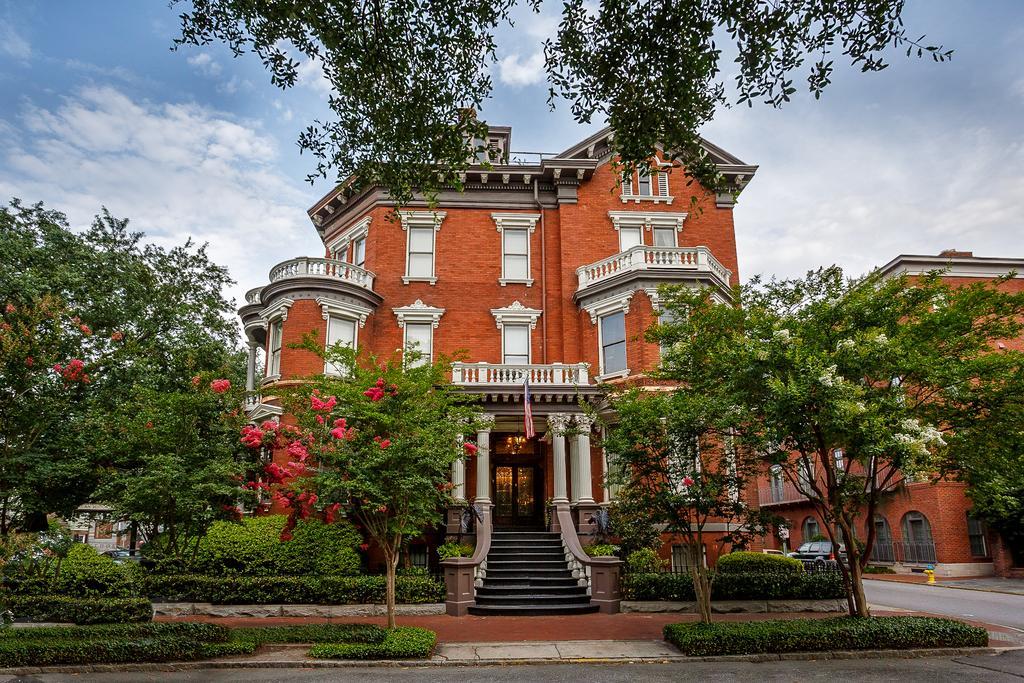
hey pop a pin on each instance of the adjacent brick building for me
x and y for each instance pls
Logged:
(918, 523)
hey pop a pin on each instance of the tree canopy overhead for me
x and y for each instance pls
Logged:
(406, 75)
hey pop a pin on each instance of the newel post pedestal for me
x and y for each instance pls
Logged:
(605, 584)
(458, 584)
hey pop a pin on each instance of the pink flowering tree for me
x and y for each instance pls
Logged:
(376, 446)
(679, 457)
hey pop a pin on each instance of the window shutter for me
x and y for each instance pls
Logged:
(662, 183)
(627, 183)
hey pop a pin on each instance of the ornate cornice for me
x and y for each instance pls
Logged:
(516, 313)
(641, 219)
(418, 312)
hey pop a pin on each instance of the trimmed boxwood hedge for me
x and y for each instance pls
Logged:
(745, 562)
(111, 644)
(61, 608)
(407, 642)
(821, 635)
(311, 633)
(746, 586)
(264, 590)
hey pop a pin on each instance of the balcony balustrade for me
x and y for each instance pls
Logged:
(305, 266)
(253, 295)
(495, 374)
(643, 257)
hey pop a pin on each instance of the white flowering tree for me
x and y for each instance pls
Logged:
(849, 386)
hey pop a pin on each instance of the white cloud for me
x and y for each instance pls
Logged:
(205, 64)
(516, 71)
(13, 44)
(311, 75)
(176, 170)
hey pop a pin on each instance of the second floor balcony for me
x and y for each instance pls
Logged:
(505, 375)
(331, 270)
(672, 263)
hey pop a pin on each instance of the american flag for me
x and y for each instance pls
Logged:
(527, 409)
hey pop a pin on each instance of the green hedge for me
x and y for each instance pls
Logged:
(311, 633)
(758, 586)
(61, 608)
(744, 562)
(821, 635)
(599, 550)
(253, 547)
(401, 643)
(262, 590)
(84, 573)
(107, 644)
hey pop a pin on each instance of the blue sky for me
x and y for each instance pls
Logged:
(96, 110)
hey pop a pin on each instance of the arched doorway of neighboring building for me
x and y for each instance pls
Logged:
(882, 550)
(918, 545)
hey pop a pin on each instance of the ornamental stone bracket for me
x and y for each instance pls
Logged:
(516, 313)
(277, 311)
(418, 312)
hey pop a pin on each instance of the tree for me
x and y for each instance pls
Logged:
(407, 75)
(88, 320)
(375, 444)
(172, 462)
(851, 385)
(681, 457)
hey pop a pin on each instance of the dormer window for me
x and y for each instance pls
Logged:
(646, 185)
(643, 183)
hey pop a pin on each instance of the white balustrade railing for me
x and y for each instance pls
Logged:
(305, 266)
(480, 374)
(644, 257)
(253, 295)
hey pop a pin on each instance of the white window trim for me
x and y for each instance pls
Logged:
(675, 236)
(517, 221)
(624, 309)
(349, 236)
(633, 195)
(342, 309)
(421, 219)
(418, 312)
(278, 312)
(529, 340)
(516, 314)
(647, 221)
(619, 302)
(327, 340)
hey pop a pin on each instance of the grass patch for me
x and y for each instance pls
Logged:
(820, 635)
(408, 642)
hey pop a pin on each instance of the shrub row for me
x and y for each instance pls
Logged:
(108, 644)
(746, 586)
(61, 608)
(84, 573)
(311, 633)
(820, 635)
(262, 590)
(745, 562)
(407, 642)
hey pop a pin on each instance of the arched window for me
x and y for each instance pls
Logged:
(882, 551)
(810, 528)
(918, 545)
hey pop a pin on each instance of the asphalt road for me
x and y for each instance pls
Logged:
(1008, 666)
(993, 608)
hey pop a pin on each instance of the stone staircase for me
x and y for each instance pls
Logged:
(528, 575)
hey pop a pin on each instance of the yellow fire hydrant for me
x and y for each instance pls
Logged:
(930, 573)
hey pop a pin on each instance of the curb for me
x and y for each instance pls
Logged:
(352, 664)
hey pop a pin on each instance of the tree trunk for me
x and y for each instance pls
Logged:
(391, 555)
(702, 592)
(860, 601)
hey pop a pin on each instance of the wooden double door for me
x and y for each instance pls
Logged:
(518, 498)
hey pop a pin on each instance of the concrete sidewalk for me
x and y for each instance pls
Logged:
(565, 650)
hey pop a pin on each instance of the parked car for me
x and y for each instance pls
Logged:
(772, 551)
(120, 555)
(819, 554)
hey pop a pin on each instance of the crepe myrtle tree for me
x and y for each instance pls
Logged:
(679, 456)
(407, 75)
(849, 386)
(374, 443)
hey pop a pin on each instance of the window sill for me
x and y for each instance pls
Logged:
(612, 375)
(637, 198)
(513, 281)
(406, 279)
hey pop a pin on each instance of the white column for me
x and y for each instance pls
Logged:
(250, 368)
(459, 475)
(582, 479)
(483, 460)
(557, 424)
(574, 470)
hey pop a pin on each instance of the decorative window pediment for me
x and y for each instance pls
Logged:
(516, 314)
(641, 219)
(277, 311)
(418, 312)
(619, 302)
(357, 231)
(343, 309)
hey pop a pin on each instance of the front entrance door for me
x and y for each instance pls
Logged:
(515, 495)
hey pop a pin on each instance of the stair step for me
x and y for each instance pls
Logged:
(501, 581)
(553, 554)
(530, 591)
(525, 564)
(551, 608)
(520, 543)
(536, 600)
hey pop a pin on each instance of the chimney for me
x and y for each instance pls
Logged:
(953, 253)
